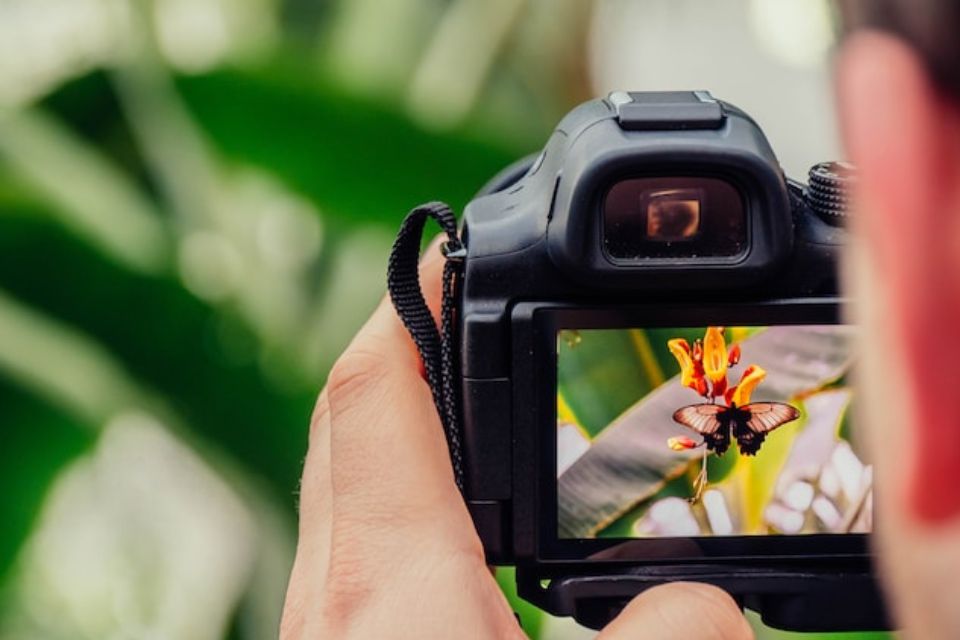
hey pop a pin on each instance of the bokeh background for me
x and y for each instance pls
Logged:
(196, 203)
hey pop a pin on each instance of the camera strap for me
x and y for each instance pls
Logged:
(437, 347)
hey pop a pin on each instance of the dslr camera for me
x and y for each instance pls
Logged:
(645, 373)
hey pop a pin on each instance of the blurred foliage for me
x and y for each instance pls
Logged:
(98, 294)
(29, 460)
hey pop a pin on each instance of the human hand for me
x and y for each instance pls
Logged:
(387, 548)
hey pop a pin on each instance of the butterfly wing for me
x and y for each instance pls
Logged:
(710, 421)
(767, 416)
(702, 418)
(754, 421)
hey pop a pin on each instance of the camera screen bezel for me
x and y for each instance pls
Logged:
(535, 504)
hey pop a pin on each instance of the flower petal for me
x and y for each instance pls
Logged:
(734, 356)
(752, 376)
(700, 384)
(681, 443)
(680, 349)
(715, 354)
(719, 387)
(728, 394)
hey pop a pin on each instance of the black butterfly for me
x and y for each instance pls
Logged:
(750, 423)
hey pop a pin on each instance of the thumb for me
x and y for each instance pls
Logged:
(680, 610)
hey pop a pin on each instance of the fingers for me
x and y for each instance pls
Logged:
(390, 468)
(679, 611)
(397, 515)
(378, 502)
(386, 437)
(313, 543)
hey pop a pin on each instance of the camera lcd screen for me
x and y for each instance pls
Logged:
(671, 217)
(708, 431)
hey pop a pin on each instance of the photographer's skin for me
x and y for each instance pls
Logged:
(388, 550)
(903, 133)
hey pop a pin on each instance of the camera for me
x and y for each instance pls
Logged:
(648, 368)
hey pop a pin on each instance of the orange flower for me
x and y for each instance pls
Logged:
(701, 386)
(680, 349)
(715, 354)
(734, 356)
(704, 367)
(698, 351)
(691, 364)
(681, 443)
(719, 388)
(740, 394)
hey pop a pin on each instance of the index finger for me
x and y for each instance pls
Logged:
(390, 464)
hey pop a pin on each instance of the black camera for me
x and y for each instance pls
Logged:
(644, 375)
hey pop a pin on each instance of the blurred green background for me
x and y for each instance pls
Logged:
(196, 202)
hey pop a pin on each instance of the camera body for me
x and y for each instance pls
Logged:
(643, 210)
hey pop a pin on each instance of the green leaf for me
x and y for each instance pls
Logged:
(622, 527)
(601, 373)
(356, 160)
(756, 477)
(171, 343)
(38, 441)
(98, 200)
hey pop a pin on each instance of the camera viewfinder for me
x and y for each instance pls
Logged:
(673, 217)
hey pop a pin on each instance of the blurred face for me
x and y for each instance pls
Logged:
(904, 270)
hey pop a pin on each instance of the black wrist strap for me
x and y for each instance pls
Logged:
(438, 349)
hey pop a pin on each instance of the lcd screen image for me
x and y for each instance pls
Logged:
(708, 431)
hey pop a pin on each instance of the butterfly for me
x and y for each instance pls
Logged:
(749, 424)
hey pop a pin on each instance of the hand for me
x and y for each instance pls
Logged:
(387, 548)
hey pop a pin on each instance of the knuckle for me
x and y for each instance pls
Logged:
(354, 373)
